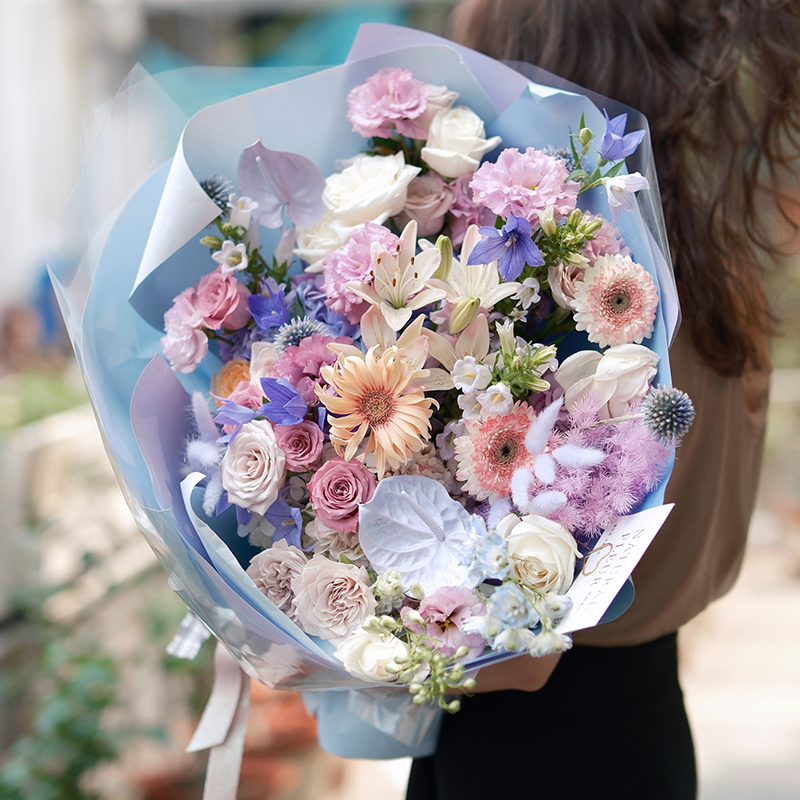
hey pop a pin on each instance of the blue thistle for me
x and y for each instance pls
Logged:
(293, 332)
(668, 413)
(561, 153)
(218, 189)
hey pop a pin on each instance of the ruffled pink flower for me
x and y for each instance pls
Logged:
(301, 364)
(221, 301)
(616, 302)
(464, 211)
(302, 444)
(337, 489)
(353, 263)
(391, 97)
(607, 241)
(184, 345)
(525, 184)
(445, 611)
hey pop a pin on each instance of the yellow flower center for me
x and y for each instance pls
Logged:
(376, 407)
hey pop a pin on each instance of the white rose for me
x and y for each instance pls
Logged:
(439, 99)
(370, 188)
(332, 599)
(614, 377)
(273, 572)
(366, 655)
(254, 467)
(456, 142)
(317, 239)
(542, 551)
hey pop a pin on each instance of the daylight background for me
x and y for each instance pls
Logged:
(87, 694)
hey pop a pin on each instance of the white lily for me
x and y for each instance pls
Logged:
(470, 287)
(402, 279)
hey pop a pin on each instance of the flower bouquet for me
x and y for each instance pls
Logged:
(373, 351)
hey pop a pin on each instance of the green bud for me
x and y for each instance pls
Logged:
(457, 673)
(227, 228)
(445, 246)
(575, 217)
(387, 623)
(454, 706)
(465, 311)
(415, 688)
(214, 242)
(577, 260)
(547, 221)
(372, 625)
(413, 616)
(394, 669)
(419, 699)
(462, 651)
(469, 685)
(592, 227)
(585, 136)
(417, 591)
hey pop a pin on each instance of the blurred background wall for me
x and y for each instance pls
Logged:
(88, 699)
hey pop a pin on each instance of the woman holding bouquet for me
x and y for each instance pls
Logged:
(719, 83)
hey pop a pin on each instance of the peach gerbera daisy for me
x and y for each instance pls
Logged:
(376, 395)
(493, 449)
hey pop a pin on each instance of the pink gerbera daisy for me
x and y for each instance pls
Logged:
(616, 302)
(493, 449)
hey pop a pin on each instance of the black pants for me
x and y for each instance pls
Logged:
(610, 723)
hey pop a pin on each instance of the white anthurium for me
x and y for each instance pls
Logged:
(401, 281)
(411, 346)
(473, 341)
(546, 463)
(470, 287)
(412, 525)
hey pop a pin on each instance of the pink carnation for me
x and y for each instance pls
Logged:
(221, 301)
(337, 489)
(353, 263)
(465, 211)
(445, 611)
(302, 444)
(391, 97)
(184, 345)
(525, 184)
(301, 364)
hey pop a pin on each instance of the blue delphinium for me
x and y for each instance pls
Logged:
(512, 246)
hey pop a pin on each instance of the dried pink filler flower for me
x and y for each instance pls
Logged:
(525, 184)
(491, 452)
(389, 97)
(616, 302)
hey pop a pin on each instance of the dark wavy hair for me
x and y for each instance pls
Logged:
(719, 81)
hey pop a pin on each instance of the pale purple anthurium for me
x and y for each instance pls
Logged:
(512, 246)
(278, 181)
(614, 145)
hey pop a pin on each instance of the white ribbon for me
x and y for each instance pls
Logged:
(222, 727)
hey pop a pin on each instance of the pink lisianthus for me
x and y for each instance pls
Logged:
(525, 184)
(464, 211)
(353, 263)
(337, 489)
(429, 198)
(221, 301)
(391, 97)
(301, 364)
(445, 611)
(184, 344)
(302, 444)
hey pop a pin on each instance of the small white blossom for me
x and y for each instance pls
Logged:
(496, 399)
(469, 405)
(231, 257)
(528, 293)
(445, 440)
(469, 375)
(242, 209)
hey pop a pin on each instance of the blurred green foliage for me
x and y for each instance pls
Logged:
(28, 396)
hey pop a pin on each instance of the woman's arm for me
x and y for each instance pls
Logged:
(524, 673)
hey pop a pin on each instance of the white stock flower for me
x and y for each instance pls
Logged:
(496, 399)
(457, 142)
(543, 552)
(469, 375)
(231, 257)
(366, 655)
(370, 188)
(254, 468)
(612, 378)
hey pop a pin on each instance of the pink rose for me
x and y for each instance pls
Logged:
(221, 301)
(332, 599)
(302, 444)
(445, 611)
(391, 97)
(184, 345)
(247, 394)
(429, 198)
(273, 572)
(337, 489)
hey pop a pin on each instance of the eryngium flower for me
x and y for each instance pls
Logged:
(668, 413)
(218, 189)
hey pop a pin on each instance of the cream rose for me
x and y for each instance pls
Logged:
(456, 142)
(274, 570)
(366, 655)
(332, 599)
(614, 377)
(429, 199)
(439, 98)
(542, 552)
(321, 237)
(371, 188)
(254, 467)
(262, 360)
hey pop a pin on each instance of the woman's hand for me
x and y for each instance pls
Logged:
(524, 673)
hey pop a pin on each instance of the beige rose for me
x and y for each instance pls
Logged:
(542, 552)
(614, 378)
(262, 360)
(273, 572)
(456, 142)
(429, 199)
(332, 599)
